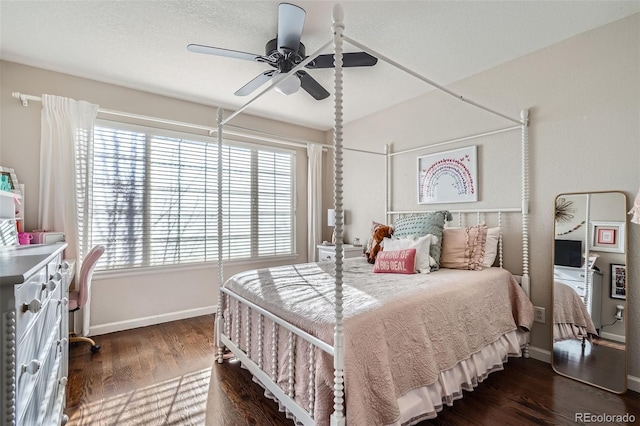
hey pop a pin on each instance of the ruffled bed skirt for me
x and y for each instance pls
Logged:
(426, 402)
(563, 331)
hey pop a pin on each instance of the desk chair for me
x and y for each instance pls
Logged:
(79, 298)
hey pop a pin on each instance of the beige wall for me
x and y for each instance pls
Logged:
(584, 100)
(127, 300)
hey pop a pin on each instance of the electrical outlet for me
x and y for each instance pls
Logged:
(539, 315)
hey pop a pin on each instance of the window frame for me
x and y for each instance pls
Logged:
(151, 133)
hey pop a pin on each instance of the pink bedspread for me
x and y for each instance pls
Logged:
(400, 330)
(571, 319)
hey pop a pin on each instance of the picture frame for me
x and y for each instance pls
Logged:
(607, 236)
(448, 176)
(618, 281)
(13, 179)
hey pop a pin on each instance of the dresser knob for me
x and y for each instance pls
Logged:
(64, 301)
(49, 285)
(57, 276)
(63, 381)
(32, 367)
(34, 306)
(64, 266)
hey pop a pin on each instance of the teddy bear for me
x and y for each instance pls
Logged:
(379, 233)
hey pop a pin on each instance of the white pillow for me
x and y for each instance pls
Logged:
(421, 244)
(491, 247)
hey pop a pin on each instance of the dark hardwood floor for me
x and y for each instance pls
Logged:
(166, 375)
(595, 363)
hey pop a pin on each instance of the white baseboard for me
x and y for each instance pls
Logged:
(151, 320)
(540, 354)
(612, 336)
(633, 383)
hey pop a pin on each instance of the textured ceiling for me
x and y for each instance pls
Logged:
(142, 44)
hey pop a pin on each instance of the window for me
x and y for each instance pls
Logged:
(155, 198)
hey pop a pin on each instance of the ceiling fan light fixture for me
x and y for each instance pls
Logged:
(289, 86)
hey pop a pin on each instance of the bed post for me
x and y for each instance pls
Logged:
(526, 285)
(219, 320)
(337, 418)
(524, 115)
(387, 182)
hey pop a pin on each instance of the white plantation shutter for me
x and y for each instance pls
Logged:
(155, 198)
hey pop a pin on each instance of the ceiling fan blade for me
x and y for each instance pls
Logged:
(290, 25)
(198, 48)
(255, 83)
(312, 87)
(355, 59)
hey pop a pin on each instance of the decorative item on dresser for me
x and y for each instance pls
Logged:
(34, 285)
(11, 216)
(328, 253)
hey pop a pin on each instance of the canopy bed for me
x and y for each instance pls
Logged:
(330, 341)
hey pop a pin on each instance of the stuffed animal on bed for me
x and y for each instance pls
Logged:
(378, 234)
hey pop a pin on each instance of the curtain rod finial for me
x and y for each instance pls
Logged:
(21, 97)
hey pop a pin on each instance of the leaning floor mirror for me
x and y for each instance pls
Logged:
(589, 288)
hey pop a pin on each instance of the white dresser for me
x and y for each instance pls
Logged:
(34, 289)
(328, 253)
(592, 296)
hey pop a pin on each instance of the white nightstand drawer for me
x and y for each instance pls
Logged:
(328, 253)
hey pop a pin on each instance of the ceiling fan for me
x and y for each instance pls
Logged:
(285, 52)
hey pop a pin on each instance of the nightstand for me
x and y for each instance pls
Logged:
(328, 253)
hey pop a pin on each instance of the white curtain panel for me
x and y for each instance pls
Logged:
(66, 146)
(635, 211)
(314, 199)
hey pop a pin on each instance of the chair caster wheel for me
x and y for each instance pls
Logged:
(95, 349)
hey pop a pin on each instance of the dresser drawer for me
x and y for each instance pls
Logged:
(567, 274)
(328, 253)
(43, 330)
(31, 293)
(33, 382)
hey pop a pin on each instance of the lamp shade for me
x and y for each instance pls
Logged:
(331, 217)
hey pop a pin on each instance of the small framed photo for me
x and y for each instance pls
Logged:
(607, 236)
(9, 180)
(618, 281)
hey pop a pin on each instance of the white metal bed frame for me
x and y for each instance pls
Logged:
(223, 330)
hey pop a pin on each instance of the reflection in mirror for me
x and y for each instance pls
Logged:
(589, 288)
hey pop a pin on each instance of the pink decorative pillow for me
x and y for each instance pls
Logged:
(463, 248)
(396, 261)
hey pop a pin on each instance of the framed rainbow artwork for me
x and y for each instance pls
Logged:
(448, 177)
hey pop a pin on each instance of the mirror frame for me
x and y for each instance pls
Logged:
(585, 253)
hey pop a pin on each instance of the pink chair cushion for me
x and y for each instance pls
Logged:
(73, 300)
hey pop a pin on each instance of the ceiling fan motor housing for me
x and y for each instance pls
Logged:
(271, 50)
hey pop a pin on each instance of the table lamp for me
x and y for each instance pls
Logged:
(331, 221)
